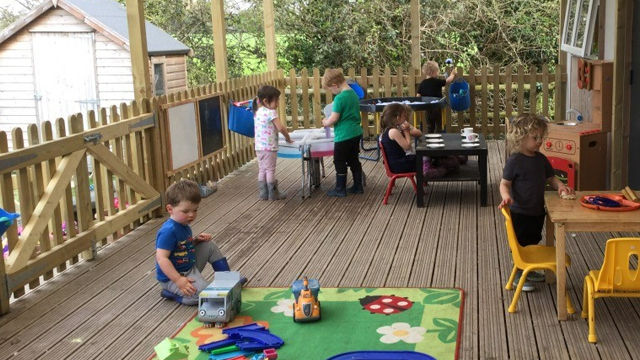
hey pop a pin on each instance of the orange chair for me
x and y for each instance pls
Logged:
(394, 176)
(528, 258)
(616, 278)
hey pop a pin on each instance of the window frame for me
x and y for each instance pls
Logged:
(163, 74)
(589, 27)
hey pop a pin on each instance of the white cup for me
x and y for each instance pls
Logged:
(471, 137)
(467, 130)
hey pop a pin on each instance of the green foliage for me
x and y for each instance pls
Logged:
(359, 33)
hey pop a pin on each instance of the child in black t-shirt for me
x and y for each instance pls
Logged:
(432, 86)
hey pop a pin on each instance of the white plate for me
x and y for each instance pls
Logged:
(433, 136)
(435, 140)
(470, 141)
(435, 145)
(470, 144)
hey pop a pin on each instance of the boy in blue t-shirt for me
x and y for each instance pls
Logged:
(180, 257)
(345, 118)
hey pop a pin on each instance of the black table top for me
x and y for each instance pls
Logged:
(453, 145)
(416, 103)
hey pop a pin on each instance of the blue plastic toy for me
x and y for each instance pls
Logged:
(382, 355)
(357, 88)
(250, 337)
(459, 98)
(6, 219)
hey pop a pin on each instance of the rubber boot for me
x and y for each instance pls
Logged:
(222, 265)
(264, 190)
(274, 193)
(171, 296)
(341, 186)
(358, 182)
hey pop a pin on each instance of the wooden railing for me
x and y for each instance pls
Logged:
(515, 90)
(81, 188)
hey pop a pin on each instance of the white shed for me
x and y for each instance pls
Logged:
(70, 56)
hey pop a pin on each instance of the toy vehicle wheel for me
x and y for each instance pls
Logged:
(319, 311)
(294, 316)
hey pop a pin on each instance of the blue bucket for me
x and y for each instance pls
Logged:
(241, 118)
(357, 88)
(459, 98)
(6, 219)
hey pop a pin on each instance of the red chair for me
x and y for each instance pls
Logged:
(394, 176)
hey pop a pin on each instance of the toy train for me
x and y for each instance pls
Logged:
(221, 300)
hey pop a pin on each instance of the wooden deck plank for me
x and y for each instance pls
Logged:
(110, 308)
(493, 258)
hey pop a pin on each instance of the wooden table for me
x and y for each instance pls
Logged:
(569, 216)
(471, 171)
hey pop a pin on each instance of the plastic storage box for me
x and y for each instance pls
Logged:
(241, 118)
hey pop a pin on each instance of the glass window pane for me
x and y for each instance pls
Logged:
(570, 21)
(158, 79)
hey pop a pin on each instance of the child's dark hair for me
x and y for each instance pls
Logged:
(183, 190)
(523, 125)
(266, 93)
(391, 113)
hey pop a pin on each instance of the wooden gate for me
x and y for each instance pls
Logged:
(49, 184)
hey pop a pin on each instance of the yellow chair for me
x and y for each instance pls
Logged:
(614, 279)
(528, 258)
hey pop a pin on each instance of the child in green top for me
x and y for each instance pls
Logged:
(345, 118)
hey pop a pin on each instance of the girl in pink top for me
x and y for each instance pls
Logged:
(266, 126)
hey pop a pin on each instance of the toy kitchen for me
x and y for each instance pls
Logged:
(577, 147)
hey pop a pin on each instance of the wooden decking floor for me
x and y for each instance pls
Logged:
(110, 308)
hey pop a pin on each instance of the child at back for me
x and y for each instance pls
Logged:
(525, 176)
(345, 118)
(266, 126)
(180, 257)
(432, 86)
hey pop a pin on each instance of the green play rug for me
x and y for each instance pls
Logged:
(426, 320)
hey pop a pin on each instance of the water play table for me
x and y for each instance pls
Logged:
(310, 146)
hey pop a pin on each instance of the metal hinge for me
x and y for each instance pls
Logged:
(92, 138)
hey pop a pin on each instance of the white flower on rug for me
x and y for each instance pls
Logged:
(284, 306)
(401, 331)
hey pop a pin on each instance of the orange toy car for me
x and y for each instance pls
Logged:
(307, 306)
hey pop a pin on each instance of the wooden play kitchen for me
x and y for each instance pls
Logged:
(578, 149)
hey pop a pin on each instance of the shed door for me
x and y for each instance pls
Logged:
(65, 74)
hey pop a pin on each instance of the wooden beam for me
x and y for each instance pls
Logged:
(122, 171)
(36, 154)
(415, 35)
(219, 27)
(40, 265)
(43, 211)
(270, 35)
(621, 71)
(138, 49)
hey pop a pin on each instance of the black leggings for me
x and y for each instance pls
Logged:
(345, 153)
(528, 228)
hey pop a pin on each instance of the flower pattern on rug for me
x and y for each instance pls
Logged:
(401, 331)
(284, 306)
(205, 335)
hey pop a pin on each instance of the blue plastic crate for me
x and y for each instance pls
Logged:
(241, 118)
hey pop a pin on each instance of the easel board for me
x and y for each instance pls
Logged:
(184, 139)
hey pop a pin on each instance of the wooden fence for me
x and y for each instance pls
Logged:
(81, 188)
(496, 94)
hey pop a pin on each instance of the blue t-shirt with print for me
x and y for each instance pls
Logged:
(178, 239)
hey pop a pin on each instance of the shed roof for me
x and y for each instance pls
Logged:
(108, 17)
